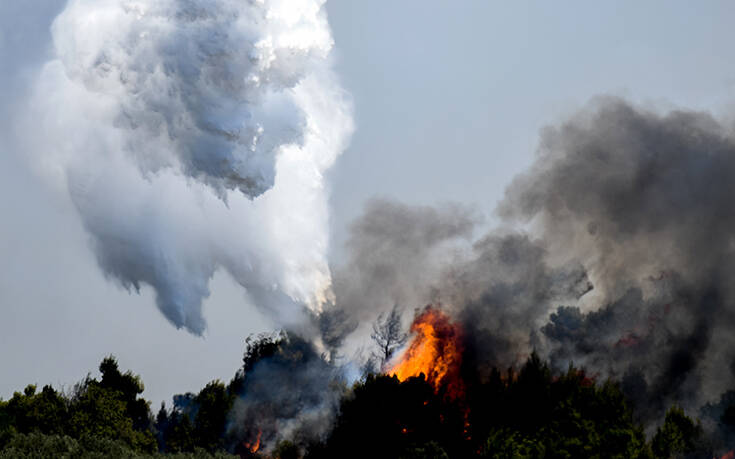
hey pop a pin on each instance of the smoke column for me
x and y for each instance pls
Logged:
(644, 202)
(192, 136)
(615, 252)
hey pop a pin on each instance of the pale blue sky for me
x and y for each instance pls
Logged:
(449, 98)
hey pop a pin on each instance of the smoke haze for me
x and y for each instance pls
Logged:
(642, 201)
(614, 254)
(193, 136)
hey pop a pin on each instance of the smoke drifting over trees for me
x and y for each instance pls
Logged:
(536, 412)
(194, 136)
(622, 264)
(642, 202)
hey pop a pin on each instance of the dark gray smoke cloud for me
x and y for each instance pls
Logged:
(396, 253)
(502, 293)
(500, 285)
(644, 202)
(620, 260)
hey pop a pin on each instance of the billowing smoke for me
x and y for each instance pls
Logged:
(193, 135)
(615, 253)
(287, 391)
(499, 285)
(643, 202)
(396, 252)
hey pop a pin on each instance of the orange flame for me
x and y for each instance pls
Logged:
(435, 351)
(255, 446)
(729, 455)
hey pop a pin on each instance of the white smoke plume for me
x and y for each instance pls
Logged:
(192, 136)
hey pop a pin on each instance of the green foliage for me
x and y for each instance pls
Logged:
(196, 421)
(387, 418)
(177, 434)
(262, 347)
(201, 420)
(528, 414)
(40, 446)
(679, 435)
(128, 386)
(430, 450)
(214, 403)
(44, 412)
(109, 409)
(504, 443)
(531, 413)
(37, 445)
(286, 450)
(99, 412)
(538, 415)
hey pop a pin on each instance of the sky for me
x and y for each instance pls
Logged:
(449, 98)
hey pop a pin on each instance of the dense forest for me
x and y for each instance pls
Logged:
(531, 412)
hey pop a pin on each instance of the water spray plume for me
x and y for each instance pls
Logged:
(200, 135)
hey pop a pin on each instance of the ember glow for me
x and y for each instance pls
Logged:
(254, 446)
(435, 351)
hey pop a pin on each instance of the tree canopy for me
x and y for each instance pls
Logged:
(529, 412)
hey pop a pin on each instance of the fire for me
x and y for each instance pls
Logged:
(435, 351)
(255, 446)
(729, 455)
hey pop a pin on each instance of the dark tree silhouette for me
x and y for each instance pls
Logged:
(388, 336)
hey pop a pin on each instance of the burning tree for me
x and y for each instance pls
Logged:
(435, 351)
